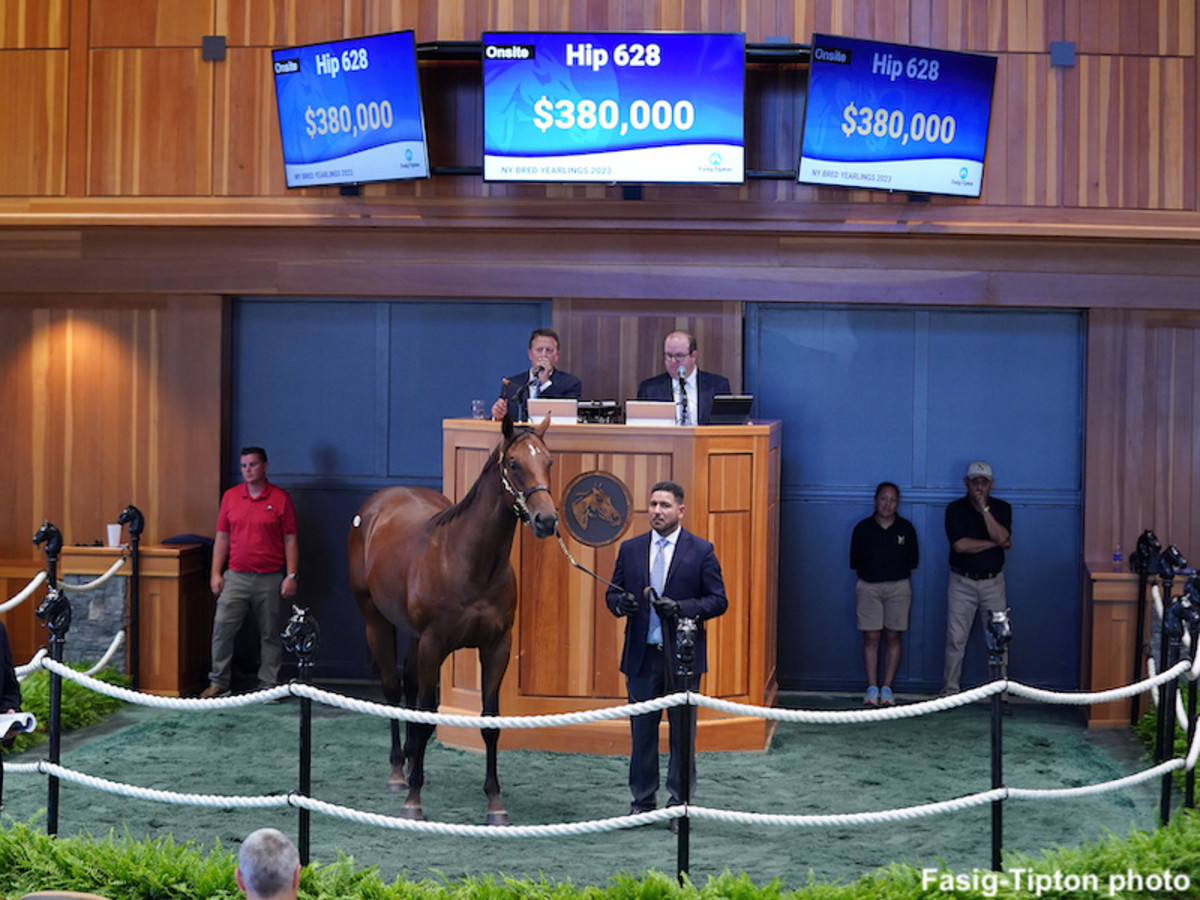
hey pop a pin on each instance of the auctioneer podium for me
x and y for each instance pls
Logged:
(566, 644)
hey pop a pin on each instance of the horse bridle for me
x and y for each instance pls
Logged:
(520, 505)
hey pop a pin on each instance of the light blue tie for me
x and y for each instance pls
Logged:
(658, 581)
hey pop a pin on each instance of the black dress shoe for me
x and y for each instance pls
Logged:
(673, 825)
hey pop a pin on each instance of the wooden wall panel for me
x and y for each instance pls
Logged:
(613, 346)
(279, 23)
(1143, 431)
(150, 23)
(247, 149)
(33, 120)
(150, 122)
(106, 406)
(33, 23)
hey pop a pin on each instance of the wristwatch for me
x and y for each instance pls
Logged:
(291, 575)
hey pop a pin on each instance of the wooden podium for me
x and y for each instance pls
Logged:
(566, 644)
(175, 609)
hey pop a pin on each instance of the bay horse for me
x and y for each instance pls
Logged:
(442, 573)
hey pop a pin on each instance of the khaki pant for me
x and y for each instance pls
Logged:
(965, 599)
(243, 593)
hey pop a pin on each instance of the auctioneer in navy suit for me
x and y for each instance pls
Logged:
(562, 386)
(694, 580)
(708, 386)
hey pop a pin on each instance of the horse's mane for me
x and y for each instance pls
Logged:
(450, 513)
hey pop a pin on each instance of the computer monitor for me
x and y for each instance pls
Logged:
(731, 409)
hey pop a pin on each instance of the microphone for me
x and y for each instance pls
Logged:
(541, 367)
(682, 372)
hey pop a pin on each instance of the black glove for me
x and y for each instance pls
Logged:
(627, 604)
(666, 607)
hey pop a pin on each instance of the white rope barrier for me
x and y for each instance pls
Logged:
(95, 583)
(32, 666)
(117, 641)
(25, 593)
(620, 822)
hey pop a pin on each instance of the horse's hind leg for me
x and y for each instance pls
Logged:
(381, 639)
(493, 662)
(426, 660)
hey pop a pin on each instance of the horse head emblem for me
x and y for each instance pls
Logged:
(599, 507)
(595, 504)
(49, 535)
(132, 516)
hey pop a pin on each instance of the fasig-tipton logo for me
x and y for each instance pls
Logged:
(835, 55)
(597, 508)
(508, 51)
(287, 66)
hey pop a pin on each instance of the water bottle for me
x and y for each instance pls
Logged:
(1117, 558)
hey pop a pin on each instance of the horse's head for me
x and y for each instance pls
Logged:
(525, 472)
(49, 535)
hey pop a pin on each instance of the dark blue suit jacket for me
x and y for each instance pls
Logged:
(708, 386)
(694, 579)
(10, 688)
(563, 386)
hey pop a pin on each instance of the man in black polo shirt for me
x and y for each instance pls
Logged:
(979, 529)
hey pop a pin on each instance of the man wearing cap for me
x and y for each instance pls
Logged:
(979, 529)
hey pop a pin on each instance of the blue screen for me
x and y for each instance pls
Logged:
(350, 111)
(645, 107)
(894, 117)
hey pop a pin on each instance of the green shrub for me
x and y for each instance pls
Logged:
(161, 869)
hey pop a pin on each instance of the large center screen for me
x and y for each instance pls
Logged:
(350, 111)
(895, 117)
(645, 107)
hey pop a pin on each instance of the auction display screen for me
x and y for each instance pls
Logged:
(895, 117)
(645, 107)
(350, 111)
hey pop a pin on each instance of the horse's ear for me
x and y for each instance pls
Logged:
(506, 427)
(540, 430)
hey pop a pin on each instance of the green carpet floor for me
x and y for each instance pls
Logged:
(809, 769)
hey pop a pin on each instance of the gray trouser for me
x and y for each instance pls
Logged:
(246, 592)
(965, 599)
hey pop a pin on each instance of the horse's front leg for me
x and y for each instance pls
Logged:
(493, 662)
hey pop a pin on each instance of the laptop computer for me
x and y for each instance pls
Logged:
(649, 412)
(731, 409)
(562, 411)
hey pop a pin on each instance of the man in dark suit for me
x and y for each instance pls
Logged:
(10, 694)
(543, 379)
(699, 388)
(656, 584)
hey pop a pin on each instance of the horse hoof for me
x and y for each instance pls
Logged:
(413, 813)
(394, 786)
(498, 819)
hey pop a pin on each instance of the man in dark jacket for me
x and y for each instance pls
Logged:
(676, 577)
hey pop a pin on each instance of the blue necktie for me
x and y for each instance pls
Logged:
(658, 581)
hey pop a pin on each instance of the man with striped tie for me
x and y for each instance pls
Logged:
(660, 577)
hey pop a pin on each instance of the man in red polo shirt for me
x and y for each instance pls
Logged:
(256, 536)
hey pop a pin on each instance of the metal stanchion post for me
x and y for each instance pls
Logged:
(999, 633)
(685, 659)
(132, 516)
(1143, 561)
(1189, 608)
(55, 611)
(302, 636)
(1169, 563)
